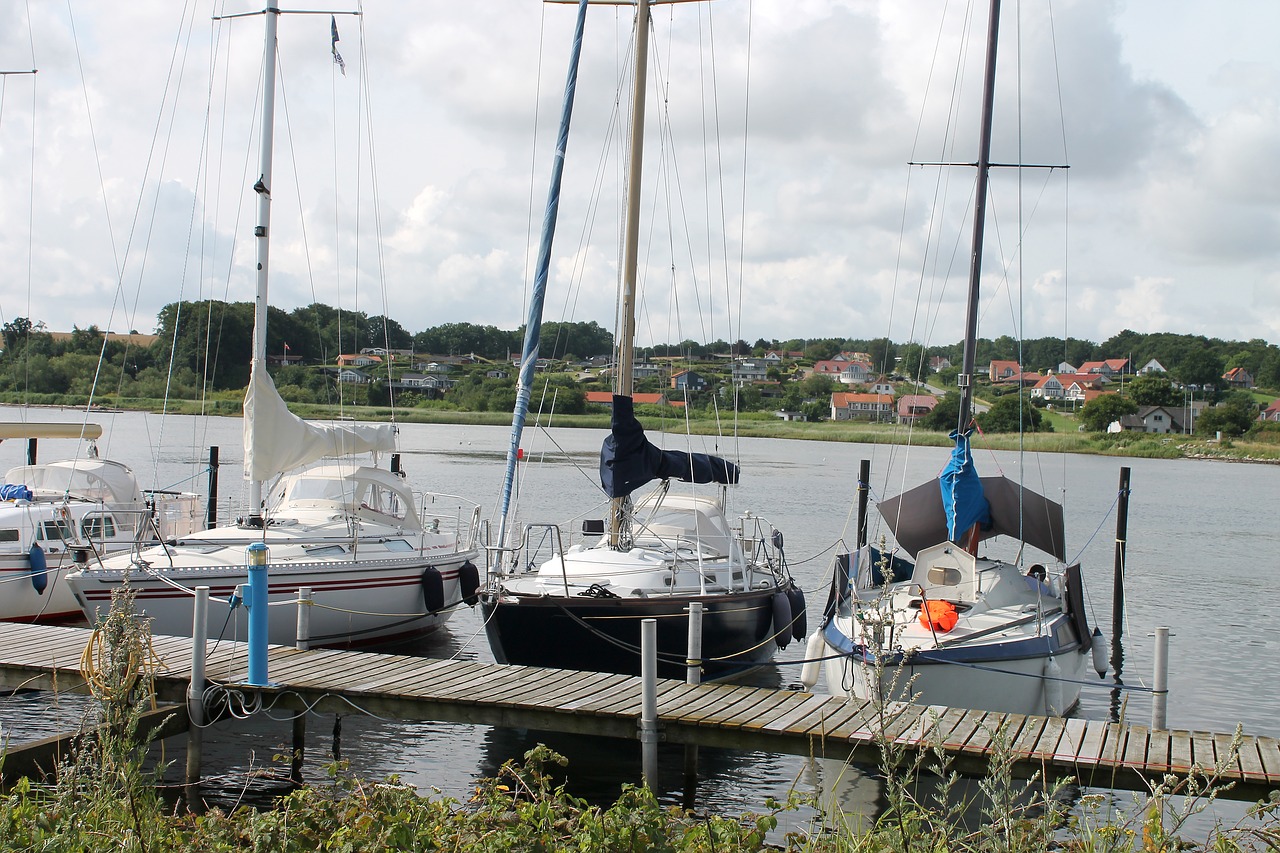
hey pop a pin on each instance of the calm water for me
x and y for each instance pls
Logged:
(1203, 558)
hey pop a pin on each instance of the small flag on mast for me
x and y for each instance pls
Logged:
(337, 57)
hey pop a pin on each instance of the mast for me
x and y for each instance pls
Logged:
(631, 242)
(533, 326)
(260, 231)
(965, 379)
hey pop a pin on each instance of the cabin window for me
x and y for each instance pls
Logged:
(99, 527)
(9, 535)
(54, 531)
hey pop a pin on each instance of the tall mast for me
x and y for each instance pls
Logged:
(260, 230)
(965, 379)
(631, 240)
(533, 326)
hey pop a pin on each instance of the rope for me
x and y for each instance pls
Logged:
(96, 663)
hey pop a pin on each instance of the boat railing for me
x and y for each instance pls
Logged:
(528, 552)
(444, 513)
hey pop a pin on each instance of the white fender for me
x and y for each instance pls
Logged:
(812, 650)
(1100, 655)
(1052, 687)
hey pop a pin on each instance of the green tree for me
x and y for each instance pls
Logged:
(944, 416)
(1013, 413)
(1232, 417)
(1199, 366)
(386, 333)
(1103, 410)
(1153, 391)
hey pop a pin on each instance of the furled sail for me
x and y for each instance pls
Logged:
(962, 496)
(276, 440)
(628, 460)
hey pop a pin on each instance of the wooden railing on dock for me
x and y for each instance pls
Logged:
(1097, 754)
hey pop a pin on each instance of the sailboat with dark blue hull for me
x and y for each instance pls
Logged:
(575, 599)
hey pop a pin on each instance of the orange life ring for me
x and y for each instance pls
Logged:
(938, 615)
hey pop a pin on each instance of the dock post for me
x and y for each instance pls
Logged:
(649, 701)
(304, 618)
(256, 602)
(693, 675)
(195, 691)
(211, 505)
(299, 747)
(1160, 681)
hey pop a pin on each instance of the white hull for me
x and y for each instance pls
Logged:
(353, 536)
(21, 602)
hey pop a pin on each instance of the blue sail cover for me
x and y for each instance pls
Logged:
(628, 460)
(963, 499)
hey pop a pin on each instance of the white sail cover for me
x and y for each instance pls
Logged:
(276, 440)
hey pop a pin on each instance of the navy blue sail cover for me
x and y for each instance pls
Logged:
(628, 460)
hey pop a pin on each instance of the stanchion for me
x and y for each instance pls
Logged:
(1160, 681)
(195, 690)
(649, 701)
(693, 675)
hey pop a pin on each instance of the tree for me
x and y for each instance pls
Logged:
(1199, 366)
(1153, 391)
(1013, 413)
(944, 416)
(1232, 417)
(1105, 409)
(15, 333)
(385, 333)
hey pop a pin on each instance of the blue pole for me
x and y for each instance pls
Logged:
(533, 326)
(255, 601)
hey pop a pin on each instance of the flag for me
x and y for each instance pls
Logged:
(286, 347)
(337, 57)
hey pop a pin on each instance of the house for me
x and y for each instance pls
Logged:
(496, 373)
(409, 381)
(939, 362)
(687, 380)
(438, 367)
(1065, 367)
(912, 407)
(354, 377)
(852, 356)
(1271, 413)
(847, 372)
(1049, 388)
(361, 360)
(1158, 419)
(605, 398)
(1151, 367)
(881, 386)
(1004, 371)
(789, 416)
(1110, 367)
(775, 356)
(749, 371)
(848, 406)
(1238, 377)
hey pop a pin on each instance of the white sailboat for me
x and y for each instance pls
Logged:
(554, 599)
(55, 516)
(965, 629)
(383, 562)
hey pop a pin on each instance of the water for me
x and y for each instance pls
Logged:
(1203, 558)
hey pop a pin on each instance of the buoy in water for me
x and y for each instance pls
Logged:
(39, 568)
(1099, 647)
(432, 589)
(781, 619)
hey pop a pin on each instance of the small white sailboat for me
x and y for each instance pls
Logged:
(963, 629)
(57, 515)
(382, 561)
(555, 599)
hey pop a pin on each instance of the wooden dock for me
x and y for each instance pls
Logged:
(1097, 754)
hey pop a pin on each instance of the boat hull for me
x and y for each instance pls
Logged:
(1014, 677)
(355, 604)
(21, 602)
(603, 635)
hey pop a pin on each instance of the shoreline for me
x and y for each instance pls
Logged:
(1135, 445)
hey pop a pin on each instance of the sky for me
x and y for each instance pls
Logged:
(777, 200)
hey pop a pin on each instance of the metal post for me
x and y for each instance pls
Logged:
(211, 507)
(31, 451)
(693, 673)
(304, 618)
(649, 700)
(864, 492)
(255, 602)
(1160, 681)
(195, 691)
(1122, 533)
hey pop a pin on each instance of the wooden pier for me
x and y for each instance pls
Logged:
(1097, 754)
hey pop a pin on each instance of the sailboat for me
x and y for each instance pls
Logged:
(553, 599)
(382, 562)
(962, 628)
(55, 515)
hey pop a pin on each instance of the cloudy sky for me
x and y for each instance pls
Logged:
(778, 199)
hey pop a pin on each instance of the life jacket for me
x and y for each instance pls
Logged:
(938, 615)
